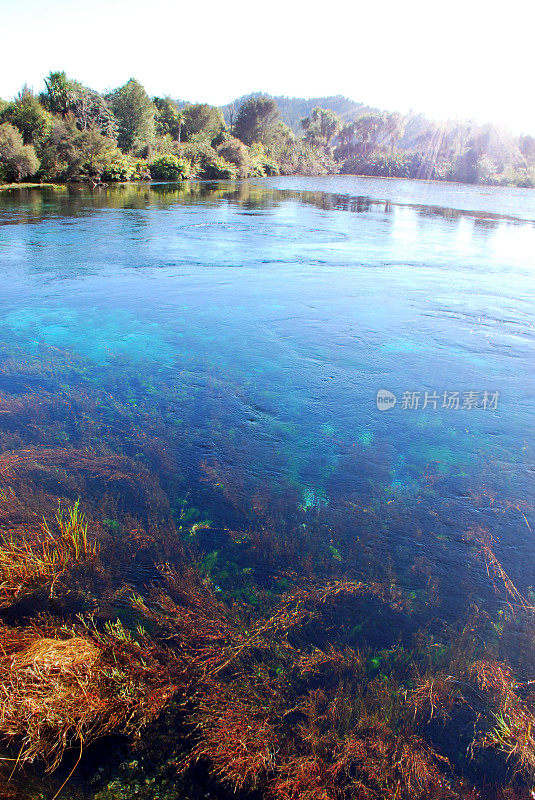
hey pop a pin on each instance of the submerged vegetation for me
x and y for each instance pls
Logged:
(70, 132)
(24, 565)
(257, 656)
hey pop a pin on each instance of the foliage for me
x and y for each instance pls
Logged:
(125, 168)
(201, 119)
(64, 96)
(169, 119)
(169, 168)
(73, 153)
(337, 135)
(135, 114)
(522, 177)
(321, 126)
(205, 161)
(367, 130)
(28, 115)
(91, 110)
(17, 160)
(57, 96)
(255, 119)
(262, 162)
(380, 163)
(397, 164)
(294, 109)
(235, 152)
(298, 157)
(219, 169)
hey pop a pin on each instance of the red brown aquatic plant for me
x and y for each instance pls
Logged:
(236, 738)
(434, 697)
(273, 697)
(62, 692)
(272, 713)
(486, 544)
(27, 565)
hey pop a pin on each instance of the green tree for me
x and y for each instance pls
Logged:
(236, 153)
(262, 162)
(135, 114)
(97, 152)
(206, 162)
(200, 119)
(256, 119)
(527, 147)
(394, 128)
(74, 153)
(321, 126)
(91, 110)
(57, 96)
(64, 96)
(17, 160)
(367, 130)
(169, 118)
(28, 115)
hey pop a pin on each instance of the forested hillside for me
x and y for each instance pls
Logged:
(294, 109)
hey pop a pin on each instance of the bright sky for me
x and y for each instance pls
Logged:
(455, 59)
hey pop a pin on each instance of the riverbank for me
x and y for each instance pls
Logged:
(393, 178)
(29, 185)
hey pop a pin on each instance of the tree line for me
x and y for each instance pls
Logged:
(71, 132)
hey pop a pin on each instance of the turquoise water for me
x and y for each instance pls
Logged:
(261, 319)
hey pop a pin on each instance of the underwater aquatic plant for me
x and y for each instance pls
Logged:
(57, 693)
(236, 738)
(26, 565)
(46, 695)
(486, 546)
(277, 692)
(277, 714)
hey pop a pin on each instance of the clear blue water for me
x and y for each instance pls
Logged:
(269, 314)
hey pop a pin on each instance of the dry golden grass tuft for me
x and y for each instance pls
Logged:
(60, 693)
(47, 695)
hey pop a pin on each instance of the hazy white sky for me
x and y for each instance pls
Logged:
(455, 59)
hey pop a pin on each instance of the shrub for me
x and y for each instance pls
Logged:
(521, 177)
(206, 163)
(262, 163)
(169, 168)
(235, 152)
(201, 119)
(28, 115)
(388, 165)
(300, 158)
(428, 168)
(219, 170)
(121, 169)
(398, 164)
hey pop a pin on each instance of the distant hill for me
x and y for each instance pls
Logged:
(293, 109)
